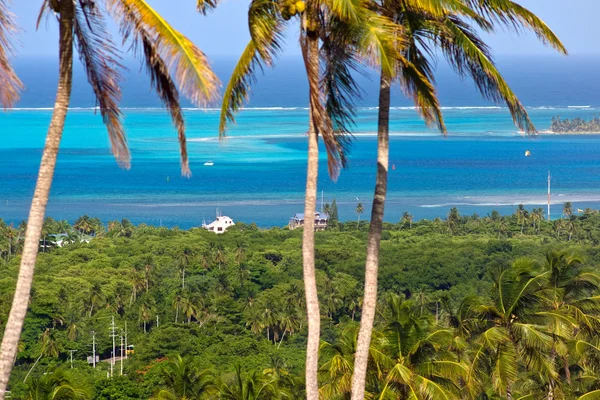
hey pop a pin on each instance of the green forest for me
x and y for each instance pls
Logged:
(469, 307)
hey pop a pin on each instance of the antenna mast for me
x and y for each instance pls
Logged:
(548, 195)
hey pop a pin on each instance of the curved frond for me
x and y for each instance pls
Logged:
(10, 85)
(165, 50)
(100, 59)
(266, 32)
(511, 14)
(207, 5)
(266, 28)
(593, 395)
(416, 84)
(468, 54)
(195, 79)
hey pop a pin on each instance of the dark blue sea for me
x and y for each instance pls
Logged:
(259, 170)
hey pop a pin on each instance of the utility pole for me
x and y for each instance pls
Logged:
(72, 351)
(113, 335)
(126, 340)
(121, 353)
(94, 349)
(548, 196)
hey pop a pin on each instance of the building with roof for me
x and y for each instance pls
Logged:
(321, 220)
(220, 224)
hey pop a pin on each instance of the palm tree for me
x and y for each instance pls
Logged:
(185, 380)
(359, 210)
(416, 357)
(406, 219)
(346, 31)
(537, 216)
(436, 23)
(521, 214)
(55, 384)
(94, 299)
(567, 210)
(453, 220)
(515, 333)
(49, 348)
(184, 260)
(250, 386)
(162, 50)
(84, 224)
(145, 313)
(148, 266)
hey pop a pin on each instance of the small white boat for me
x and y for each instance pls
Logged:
(209, 164)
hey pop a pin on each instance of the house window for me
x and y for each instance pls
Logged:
(220, 229)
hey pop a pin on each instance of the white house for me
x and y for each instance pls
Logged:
(321, 220)
(219, 225)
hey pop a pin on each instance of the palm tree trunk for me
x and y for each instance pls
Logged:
(282, 336)
(32, 367)
(373, 242)
(308, 236)
(18, 310)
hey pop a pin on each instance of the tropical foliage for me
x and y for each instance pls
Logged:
(575, 125)
(484, 310)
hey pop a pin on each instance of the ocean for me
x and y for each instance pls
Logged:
(259, 169)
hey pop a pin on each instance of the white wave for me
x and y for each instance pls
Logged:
(509, 201)
(578, 106)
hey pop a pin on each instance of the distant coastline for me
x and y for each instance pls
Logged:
(575, 126)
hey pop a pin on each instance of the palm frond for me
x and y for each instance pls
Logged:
(319, 119)
(167, 92)
(164, 50)
(468, 54)
(593, 395)
(101, 62)
(415, 81)
(207, 5)
(192, 72)
(266, 32)
(10, 85)
(266, 28)
(511, 14)
(337, 82)
(44, 12)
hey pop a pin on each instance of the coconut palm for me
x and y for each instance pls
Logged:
(359, 210)
(567, 210)
(522, 215)
(146, 312)
(162, 50)
(94, 299)
(84, 224)
(184, 380)
(442, 25)
(345, 30)
(55, 384)
(406, 219)
(49, 348)
(517, 334)
(250, 386)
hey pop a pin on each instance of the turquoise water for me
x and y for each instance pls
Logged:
(259, 169)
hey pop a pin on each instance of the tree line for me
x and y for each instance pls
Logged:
(232, 307)
(575, 125)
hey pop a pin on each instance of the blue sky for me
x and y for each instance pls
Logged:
(225, 33)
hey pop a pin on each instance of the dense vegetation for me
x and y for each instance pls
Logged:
(575, 125)
(469, 307)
